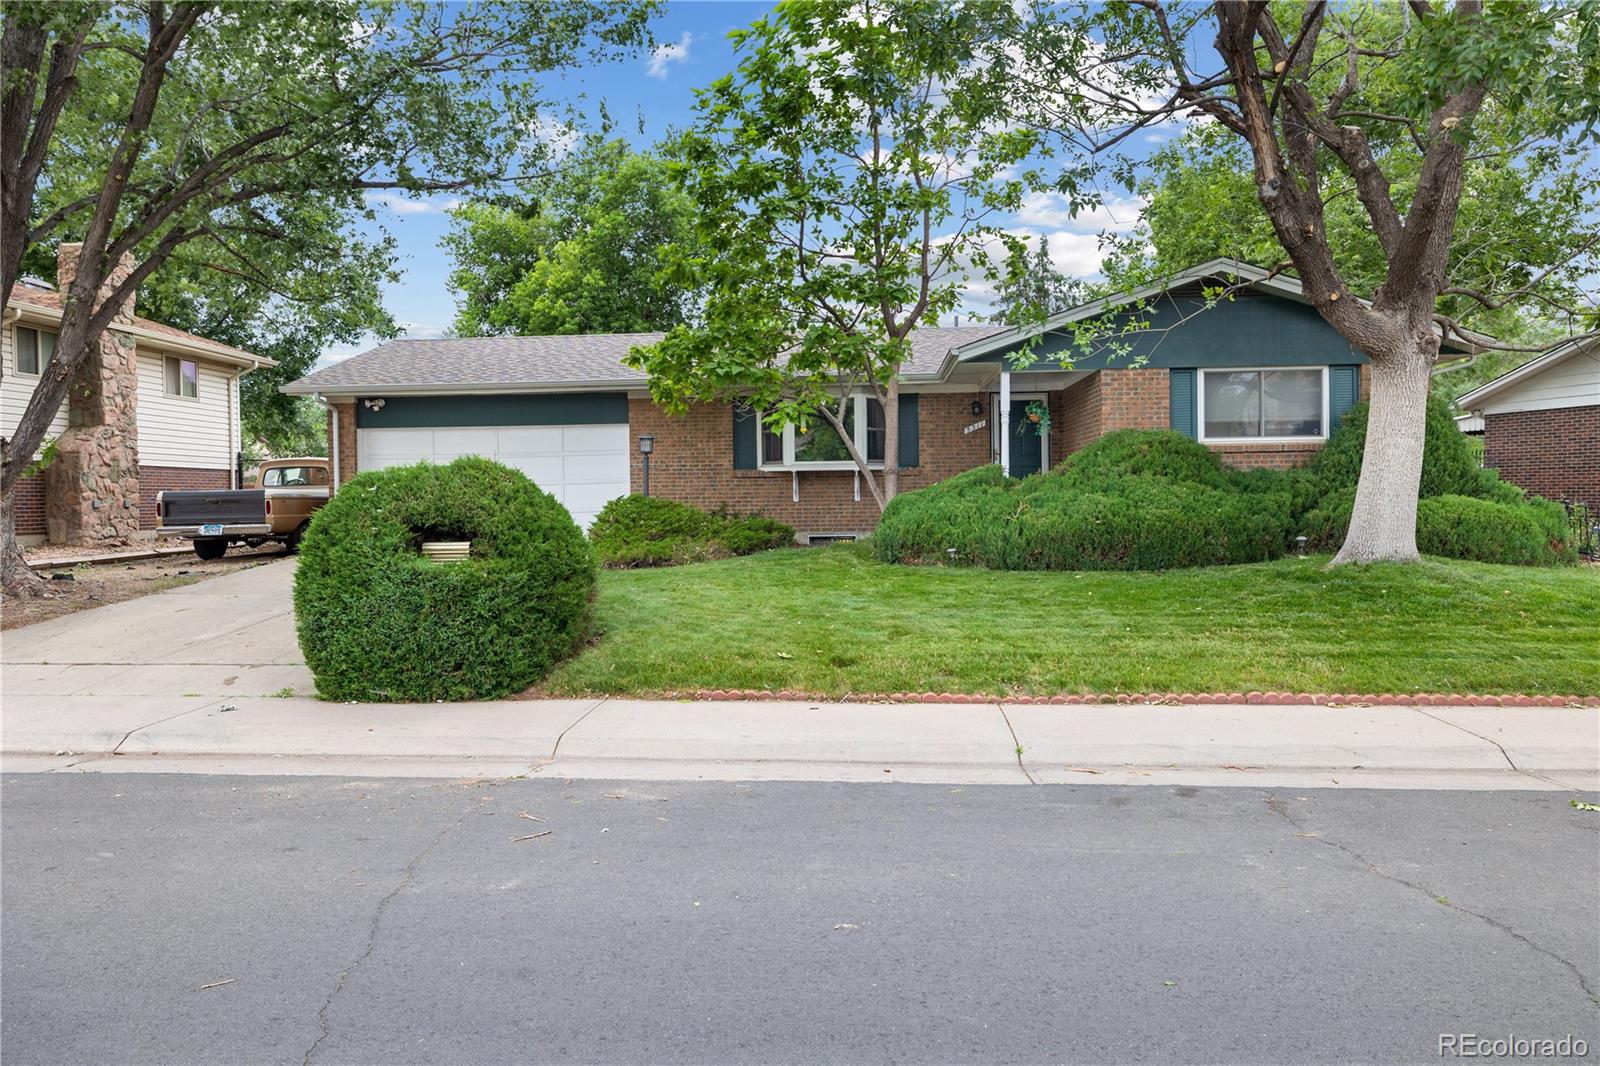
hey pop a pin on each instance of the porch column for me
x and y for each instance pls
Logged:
(1004, 419)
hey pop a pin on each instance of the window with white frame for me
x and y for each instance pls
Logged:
(819, 446)
(1280, 403)
(34, 349)
(182, 377)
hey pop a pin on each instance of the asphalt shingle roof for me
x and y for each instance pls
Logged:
(578, 359)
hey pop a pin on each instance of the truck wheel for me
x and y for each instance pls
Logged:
(210, 547)
(291, 543)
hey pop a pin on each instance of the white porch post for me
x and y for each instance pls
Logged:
(1004, 420)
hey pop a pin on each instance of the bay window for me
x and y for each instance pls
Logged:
(819, 446)
(1285, 403)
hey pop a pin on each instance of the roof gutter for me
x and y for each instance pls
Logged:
(307, 387)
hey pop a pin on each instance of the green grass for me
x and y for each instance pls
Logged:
(832, 621)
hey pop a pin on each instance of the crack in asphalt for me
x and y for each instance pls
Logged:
(1276, 807)
(1504, 754)
(407, 876)
(1016, 742)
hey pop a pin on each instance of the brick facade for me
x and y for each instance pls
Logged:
(693, 462)
(1074, 416)
(27, 504)
(154, 479)
(346, 414)
(1555, 453)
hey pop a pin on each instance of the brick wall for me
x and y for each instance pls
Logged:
(1272, 456)
(1555, 454)
(1135, 399)
(27, 504)
(154, 479)
(346, 413)
(693, 462)
(1074, 417)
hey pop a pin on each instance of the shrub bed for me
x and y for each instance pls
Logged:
(651, 531)
(379, 621)
(1153, 500)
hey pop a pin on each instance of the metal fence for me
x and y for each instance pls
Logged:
(1585, 523)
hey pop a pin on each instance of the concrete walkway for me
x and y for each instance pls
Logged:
(207, 678)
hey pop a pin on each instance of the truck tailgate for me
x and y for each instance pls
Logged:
(228, 507)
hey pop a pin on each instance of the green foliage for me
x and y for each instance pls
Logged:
(652, 531)
(577, 252)
(1034, 289)
(1464, 511)
(837, 201)
(1460, 527)
(1132, 500)
(379, 621)
(1154, 499)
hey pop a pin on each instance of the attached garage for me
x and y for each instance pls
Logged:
(574, 446)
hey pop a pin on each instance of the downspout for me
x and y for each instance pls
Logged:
(333, 438)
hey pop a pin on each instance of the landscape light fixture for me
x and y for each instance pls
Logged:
(647, 444)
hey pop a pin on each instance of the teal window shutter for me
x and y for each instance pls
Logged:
(910, 432)
(1344, 389)
(746, 431)
(1180, 385)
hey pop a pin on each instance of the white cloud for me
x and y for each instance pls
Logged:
(1052, 210)
(557, 136)
(664, 55)
(402, 204)
(421, 331)
(1077, 255)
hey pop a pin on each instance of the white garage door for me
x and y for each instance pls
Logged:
(582, 466)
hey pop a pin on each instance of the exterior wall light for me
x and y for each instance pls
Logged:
(977, 408)
(647, 444)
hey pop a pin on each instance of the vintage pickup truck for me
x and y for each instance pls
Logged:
(279, 510)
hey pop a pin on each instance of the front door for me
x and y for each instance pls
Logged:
(1027, 446)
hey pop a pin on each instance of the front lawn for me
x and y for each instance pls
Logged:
(832, 621)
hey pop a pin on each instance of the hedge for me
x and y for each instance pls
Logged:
(379, 621)
(1153, 499)
(651, 531)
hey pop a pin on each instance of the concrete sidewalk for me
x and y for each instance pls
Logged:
(1371, 747)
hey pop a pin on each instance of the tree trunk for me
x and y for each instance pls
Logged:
(1383, 524)
(891, 439)
(17, 579)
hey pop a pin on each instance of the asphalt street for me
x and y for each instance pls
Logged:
(190, 919)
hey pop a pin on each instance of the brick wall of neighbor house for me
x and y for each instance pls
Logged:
(693, 462)
(1555, 453)
(154, 479)
(27, 503)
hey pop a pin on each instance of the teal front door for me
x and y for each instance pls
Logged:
(1027, 447)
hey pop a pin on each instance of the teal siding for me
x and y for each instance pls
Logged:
(745, 437)
(1179, 331)
(1344, 389)
(1180, 385)
(551, 409)
(910, 432)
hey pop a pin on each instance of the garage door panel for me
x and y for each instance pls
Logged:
(584, 467)
(529, 440)
(454, 443)
(545, 470)
(605, 439)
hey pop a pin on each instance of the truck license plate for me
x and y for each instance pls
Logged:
(211, 529)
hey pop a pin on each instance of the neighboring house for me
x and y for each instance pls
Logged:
(156, 408)
(1541, 423)
(1260, 378)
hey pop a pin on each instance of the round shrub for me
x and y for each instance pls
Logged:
(1462, 527)
(1141, 453)
(651, 531)
(1448, 465)
(379, 621)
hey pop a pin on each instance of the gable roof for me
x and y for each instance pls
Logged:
(50, 303)
(577, 362)
(1551, 358)
(1257, 278)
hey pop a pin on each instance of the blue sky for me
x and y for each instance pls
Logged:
(647, 96)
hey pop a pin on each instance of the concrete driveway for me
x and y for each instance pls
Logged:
(227, 636)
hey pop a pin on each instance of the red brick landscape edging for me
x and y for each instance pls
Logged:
(1312, 699)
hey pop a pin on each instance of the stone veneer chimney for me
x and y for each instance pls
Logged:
(92, 485)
